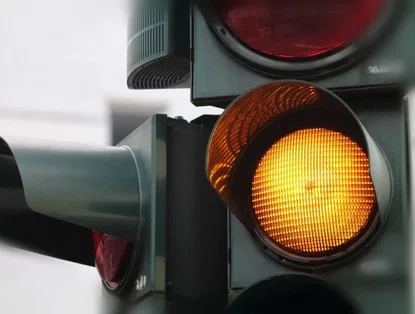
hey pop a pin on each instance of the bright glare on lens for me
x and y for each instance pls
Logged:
(312, 191)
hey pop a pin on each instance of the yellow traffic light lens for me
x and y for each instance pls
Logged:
(312, 191)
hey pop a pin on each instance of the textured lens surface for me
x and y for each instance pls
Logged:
(298, 28)
(312, 191)
(112, 256)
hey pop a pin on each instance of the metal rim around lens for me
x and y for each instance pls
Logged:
(329, 259)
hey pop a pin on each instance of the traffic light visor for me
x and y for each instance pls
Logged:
(298, 293)
(297, 168)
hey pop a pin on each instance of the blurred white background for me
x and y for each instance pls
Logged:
(62, 63)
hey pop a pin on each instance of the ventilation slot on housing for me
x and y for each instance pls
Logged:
(158, 45)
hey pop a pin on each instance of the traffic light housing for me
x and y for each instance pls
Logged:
(239, 50)
(246, 57)
(230, 40)
(299, 185)
(298, 169)
(99, 188)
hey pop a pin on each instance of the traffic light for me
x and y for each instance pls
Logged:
(314, 187)
(295, 198)
(150, 224)
(310, 155)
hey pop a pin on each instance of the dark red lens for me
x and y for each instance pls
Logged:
(112, 257)
(298, 29)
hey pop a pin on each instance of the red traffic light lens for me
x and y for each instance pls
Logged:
(112, 258)
(298, 29)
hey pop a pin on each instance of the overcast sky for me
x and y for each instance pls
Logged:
(68, 57)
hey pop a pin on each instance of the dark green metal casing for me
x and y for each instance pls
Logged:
(158, 44)
(180, 257)
(376, 281)
(148, 145)
(218, 75)
(118, 190)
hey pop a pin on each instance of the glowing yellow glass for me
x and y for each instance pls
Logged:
(312, 191)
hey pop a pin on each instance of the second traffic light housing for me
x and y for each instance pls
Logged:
(298, 169)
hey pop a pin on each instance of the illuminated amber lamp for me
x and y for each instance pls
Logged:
(297, 168)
